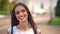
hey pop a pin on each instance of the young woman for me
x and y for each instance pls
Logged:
(22, 21)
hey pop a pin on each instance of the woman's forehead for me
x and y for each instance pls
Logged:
(19, 8)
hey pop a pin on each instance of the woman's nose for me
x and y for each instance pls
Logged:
(21, 13)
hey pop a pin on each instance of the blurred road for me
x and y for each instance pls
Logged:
(40, 21)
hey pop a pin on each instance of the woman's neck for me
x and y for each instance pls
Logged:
(23, 26)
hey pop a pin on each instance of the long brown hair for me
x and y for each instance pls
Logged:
(15, 22)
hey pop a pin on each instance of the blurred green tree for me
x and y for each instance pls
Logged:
(11, 5)
(6, 6)
(3, 4)
(57, 11)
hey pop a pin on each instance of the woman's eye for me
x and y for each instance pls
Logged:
(23, 10)
(17, 12)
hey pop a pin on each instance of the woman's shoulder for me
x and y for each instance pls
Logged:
(38, 31)
(9, 28)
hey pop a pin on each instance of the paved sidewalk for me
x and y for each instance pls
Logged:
(48, 29)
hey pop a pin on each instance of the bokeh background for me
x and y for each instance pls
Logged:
(46, 14)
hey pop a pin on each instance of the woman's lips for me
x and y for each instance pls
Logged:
(21, 17)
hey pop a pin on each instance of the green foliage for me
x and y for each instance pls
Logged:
(11, 5)
(57, 11)
(3, 12)
(55, 21)
(3, 4)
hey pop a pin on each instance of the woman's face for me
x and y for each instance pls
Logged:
(21, 14)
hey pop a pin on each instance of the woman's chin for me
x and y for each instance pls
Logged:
(22, 20)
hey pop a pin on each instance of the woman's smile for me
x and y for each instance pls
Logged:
(21, 13)
(22, 17)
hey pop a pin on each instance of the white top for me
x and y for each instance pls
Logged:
(16, 31)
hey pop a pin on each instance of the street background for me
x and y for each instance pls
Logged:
(45, 13)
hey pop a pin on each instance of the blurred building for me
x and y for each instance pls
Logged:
(40, 7)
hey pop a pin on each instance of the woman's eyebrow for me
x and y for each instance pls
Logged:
(16, 11)
(22, 9)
